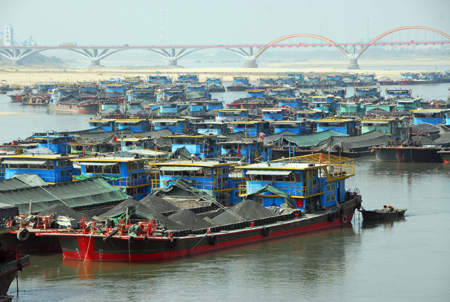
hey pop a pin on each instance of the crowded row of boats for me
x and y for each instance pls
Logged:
(193, 174)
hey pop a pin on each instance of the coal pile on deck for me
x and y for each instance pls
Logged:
(190, 220)
(142, 210)
(158, 204)
(63, 210)
(247, 209)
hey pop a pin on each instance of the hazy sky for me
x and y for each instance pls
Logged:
(155, 22)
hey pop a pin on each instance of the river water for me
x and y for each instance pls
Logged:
(401, 260)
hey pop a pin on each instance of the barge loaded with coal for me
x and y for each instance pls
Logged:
(281, 198)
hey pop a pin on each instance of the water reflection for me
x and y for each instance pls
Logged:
(388, 224)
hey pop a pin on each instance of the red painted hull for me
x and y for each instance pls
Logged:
(85, 247)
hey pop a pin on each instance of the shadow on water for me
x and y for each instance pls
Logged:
(383, 224)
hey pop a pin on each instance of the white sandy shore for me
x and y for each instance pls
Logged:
(26, 75)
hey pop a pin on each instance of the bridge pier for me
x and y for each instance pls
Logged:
(173, 62)
(352, 61)
(251, 64)
(95, 62)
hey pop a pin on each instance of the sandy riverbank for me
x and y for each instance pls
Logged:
(26, 75)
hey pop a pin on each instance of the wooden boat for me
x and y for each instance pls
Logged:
(379, 215)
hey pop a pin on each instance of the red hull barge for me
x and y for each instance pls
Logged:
(96, 247)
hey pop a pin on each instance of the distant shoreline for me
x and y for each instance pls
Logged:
(27, 75)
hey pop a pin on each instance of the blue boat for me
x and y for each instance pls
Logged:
(274, 114)
(397, 93)
(125, 172)
(312, 183)
(188, 77)
(389, 126)
(250, 128)
(249, 151)
(327, 103)
(135, 125)
(213, 177)
(157, 79)
(344, 126)
(310, 115)
(296, 127)
(229, 115)
(365, 92)
(431, 116)
(174, 125)
(51, 168)
(256, 93)
(202, 146)
(107, 125)
(55, 143)
(216, 128)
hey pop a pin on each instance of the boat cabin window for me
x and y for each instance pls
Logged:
(335, 124)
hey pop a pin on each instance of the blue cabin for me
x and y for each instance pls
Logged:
(296, 127)
(311, 183)
(216, 128)
(119, 89)
(341, 92)
(229, 115)
(431, 76)
(213, 105)
(431, 116)
(267, 81)
(109, 104)
(156, 79)
(255, 93)
(344, 126)
(310, 115)
(199, 107)
(283, 92)
(199, 145)
(447, 118)
(397, 93)
(252, 128)
(286, 81)
(188, 77)
(389, 126)
(274, 114)
(291, 102)
(135, 125)
(299, 77)
(51, 168)
(325, 103)
(141, 92)
(47, 87)
(244, 80)
(105, 124)
(407, 104)
(410, 76)
(213, 80)
(249, 151)
(88, 87)
(333, 77)
(367, 92)
(56, 143)
(169, 109)
(214, 177)
(174, 125)
(124, 172)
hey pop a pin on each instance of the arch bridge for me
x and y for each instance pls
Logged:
(173, 53)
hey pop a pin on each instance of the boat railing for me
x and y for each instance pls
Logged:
(215, 185)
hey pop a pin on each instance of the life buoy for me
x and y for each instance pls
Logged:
(212, 240)
(173, 243)
(265, 232)
(23, 234)
(344, 219)
(341, 212)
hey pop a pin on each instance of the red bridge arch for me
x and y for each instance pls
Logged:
(400, 29)
(260, 52)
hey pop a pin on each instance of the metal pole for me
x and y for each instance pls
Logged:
(31, 202)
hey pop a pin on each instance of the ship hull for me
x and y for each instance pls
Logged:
(9, 272)
(408, 154)
(32, 245)
(85, 247)
(238, 88)
(81, 109)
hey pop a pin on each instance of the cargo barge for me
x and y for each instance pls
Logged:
(312, 188)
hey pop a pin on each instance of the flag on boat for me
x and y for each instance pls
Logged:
(321, 158)
(239, 150)
(115, 138)
(261, 135)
